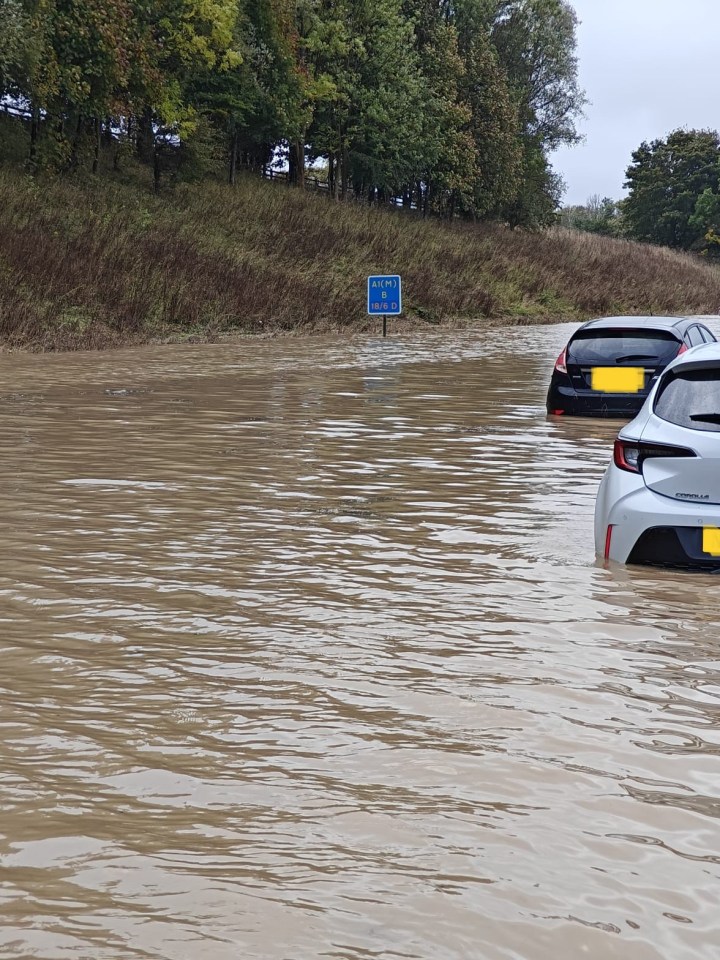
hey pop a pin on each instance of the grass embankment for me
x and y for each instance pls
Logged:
(105, 263)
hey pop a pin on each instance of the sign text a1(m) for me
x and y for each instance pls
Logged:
(384, 296)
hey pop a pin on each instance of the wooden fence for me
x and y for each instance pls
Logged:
(281, 176)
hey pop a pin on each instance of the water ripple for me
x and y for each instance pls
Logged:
(306, 654)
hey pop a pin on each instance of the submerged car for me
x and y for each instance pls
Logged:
(659, 500)
(610, 365)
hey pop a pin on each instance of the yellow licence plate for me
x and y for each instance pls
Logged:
(711, 541)
(617, 379)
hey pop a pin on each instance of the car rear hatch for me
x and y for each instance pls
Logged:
(619, 360)
(687, 479)
(688, 400)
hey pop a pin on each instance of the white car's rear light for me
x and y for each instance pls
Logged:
(630, 455)
(608, 541)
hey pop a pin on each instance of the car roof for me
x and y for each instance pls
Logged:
(704, 355)
(670, 324)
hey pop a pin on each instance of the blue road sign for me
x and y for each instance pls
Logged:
(384, 296)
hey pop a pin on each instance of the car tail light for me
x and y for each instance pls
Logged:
(561, 362)
(630, 455)
(683, 348)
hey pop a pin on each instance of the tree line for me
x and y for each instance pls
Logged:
(673, 196)
(449, 106)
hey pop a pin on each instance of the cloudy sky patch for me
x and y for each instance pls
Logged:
(647, 67)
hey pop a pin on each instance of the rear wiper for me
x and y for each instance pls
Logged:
(637, 356)
(706, 417)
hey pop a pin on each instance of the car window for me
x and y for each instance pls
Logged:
(691, 398)
(655, 347)
(694, 336)
(707, 335)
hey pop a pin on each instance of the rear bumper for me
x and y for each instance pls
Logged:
(680, 547)
(589, 403)
(648, 528)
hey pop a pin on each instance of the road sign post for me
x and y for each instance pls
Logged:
(384, 298)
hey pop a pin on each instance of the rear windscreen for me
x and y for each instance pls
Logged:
(691, 399)
(653, 347)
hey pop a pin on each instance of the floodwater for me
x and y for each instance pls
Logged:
(305, 654)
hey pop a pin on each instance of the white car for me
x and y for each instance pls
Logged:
(659, 500)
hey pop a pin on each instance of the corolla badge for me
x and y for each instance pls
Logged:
(693, 496)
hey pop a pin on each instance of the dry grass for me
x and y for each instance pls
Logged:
(106, 264)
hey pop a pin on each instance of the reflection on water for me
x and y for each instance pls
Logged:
(306, 654)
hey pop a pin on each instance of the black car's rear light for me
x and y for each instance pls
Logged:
(630, 455)
(561, 362)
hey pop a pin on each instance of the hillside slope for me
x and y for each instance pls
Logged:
(105, 263)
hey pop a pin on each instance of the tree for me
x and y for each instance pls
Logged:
(706, 219)
(537, 198)
(276, 86)
(449, 105)
(536, 44)
(363, 95)
(384, 128)
(173, 41)
(14, 37)
(665, 181)
(598, 215)
(328, 56)
(471, 130)
(448, 168)
(494, 128)
(83, 70)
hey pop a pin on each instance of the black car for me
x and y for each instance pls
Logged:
(609, 365)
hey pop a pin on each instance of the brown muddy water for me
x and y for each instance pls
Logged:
(305, 654)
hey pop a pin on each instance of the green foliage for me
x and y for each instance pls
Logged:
(494, 128)
(598, 215)
(14, 35)
(667, 180)
(448, 106)
(535, 40)
(706, 219)
(448, 165)
(384, 127)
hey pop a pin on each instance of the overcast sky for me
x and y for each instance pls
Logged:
(647, 68)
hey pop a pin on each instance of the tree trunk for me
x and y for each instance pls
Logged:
(145, 143)
(79, 130)
(34, 131)
(233, 157)
(296, 164)
(96, 156)
(332, 179)
(345, 171)
(292, 166)
(338, 177)
(156, 168)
